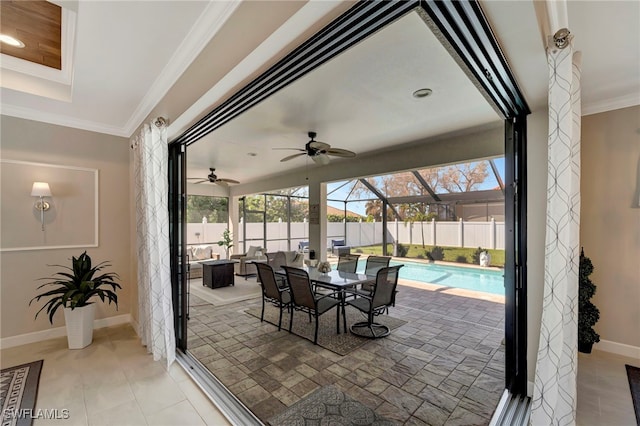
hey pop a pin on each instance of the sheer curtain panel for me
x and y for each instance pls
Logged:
(155, 309)
(554, 395)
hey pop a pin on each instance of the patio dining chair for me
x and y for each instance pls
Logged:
(279, 296)
(305, 300)
(373, 265)
(377, 303)
(348, 263)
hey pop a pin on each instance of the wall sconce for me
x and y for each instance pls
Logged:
(41, 190)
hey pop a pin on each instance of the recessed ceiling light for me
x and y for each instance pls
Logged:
(11, 41)
(422, 93)
(252, 154)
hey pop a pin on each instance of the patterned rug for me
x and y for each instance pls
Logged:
(342, 343)
(329, 406)
(18, 392)
(633, 373)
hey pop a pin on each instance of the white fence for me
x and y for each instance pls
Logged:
(490, 235)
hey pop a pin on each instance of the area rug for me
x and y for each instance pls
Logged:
(18, 392)
(633, 374)
(328, 406)
(242, 290)
(342, 343)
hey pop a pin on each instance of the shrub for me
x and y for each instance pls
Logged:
(461, 259)
(437, 253)
(402, 250)
(476, 255)
(358, 250)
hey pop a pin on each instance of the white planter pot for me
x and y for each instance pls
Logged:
(79, 324)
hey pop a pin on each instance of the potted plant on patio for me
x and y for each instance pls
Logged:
(226, 241)
(74, 291)
(588, 313)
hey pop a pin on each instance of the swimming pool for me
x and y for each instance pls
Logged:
(486, 280)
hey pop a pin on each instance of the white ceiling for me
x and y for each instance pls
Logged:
(359, 101)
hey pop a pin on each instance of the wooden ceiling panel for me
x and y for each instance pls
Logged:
(38, 24)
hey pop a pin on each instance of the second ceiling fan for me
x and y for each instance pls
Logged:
(318, 151)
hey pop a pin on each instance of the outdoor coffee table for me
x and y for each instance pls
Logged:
(218, 273)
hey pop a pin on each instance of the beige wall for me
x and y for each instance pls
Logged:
(610, 219)
(44, 143)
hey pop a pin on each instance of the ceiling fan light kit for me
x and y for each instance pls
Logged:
(318, 151)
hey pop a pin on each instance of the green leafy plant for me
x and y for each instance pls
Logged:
(75, 289)
(226, 241)
(588, 313)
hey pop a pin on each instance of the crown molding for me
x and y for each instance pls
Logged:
(629, 100)
(60, 120)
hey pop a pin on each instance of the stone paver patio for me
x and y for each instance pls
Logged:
(444, 367)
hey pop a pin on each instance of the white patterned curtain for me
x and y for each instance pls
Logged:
(155, 309)
(554, 396)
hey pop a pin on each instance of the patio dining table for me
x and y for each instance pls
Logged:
(334, 280)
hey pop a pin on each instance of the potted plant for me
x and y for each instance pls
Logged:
(588, 314)
(73, 292)
(226, 241)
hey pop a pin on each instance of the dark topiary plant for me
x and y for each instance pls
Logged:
(588, 313)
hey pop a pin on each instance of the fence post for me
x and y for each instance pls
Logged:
(461, 233)
(395, 240)
(492, 234)
(433, 231)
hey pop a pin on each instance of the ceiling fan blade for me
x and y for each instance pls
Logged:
(319, 145)
(322, 159)
(295, 149)
(220, 182)
(291, 157)
(198, 180)
(338, 152)
(227, 180)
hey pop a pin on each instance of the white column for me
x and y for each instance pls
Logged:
(318, 219)
(461, 233)
(234, 224)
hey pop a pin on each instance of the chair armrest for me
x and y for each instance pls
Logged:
(237, 256)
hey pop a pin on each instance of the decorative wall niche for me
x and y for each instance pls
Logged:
(70, 222)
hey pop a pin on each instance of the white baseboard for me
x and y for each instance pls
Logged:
(530, 389)
(38, 336)
(618, 348)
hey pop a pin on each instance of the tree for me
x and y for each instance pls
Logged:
(464, 177)
(416, 212)
(215, 209)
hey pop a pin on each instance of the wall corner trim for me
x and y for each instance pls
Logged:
(52, 333)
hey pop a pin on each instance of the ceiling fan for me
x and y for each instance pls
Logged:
(213, 178)
(318, 151)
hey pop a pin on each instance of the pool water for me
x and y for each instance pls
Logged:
(488, 281)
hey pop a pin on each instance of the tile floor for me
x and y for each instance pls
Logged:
(129, 388)
(444, 367)
(603, 390)
(113, 382)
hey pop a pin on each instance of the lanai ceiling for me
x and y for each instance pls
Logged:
(124, 63)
